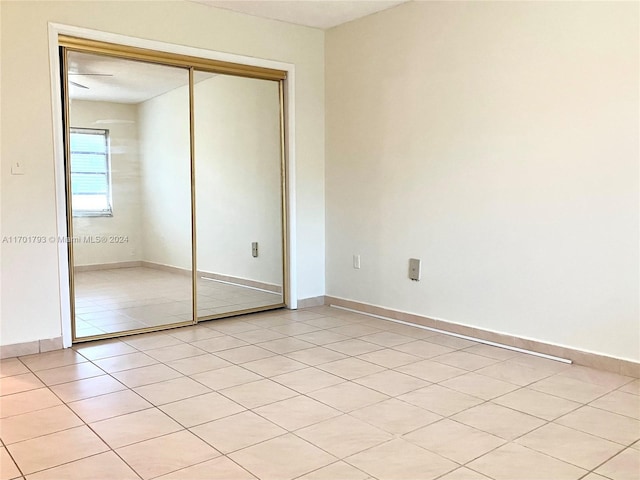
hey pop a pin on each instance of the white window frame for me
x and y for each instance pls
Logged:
(106, 212)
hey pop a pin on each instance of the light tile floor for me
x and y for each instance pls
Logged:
(122, 299)
(312, 394)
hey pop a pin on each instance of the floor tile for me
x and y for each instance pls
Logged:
(348, 396)
(440, 400)
(258, 336)
(479, 385)
(464, 360)
(245, 354)
(355, 330)
(86, 388)
(322, 337)
(285, 345)
(54, 359)
(231, 326)
(343, 436)
(389, 358)
(307, 380)
(125, 362)
(539, 363)
(238, 431)
(497, 420)
(166, 454)
(423, 349)
(148, 342)
(110, 405)
(226, 377)
(624, 466)
(316, 356)
(12, 366)
(395, 416)
(267, 463)
(134, 427)
(431, 371)
(35, 424)
(295, 329)
(26, 402)
(569, 445)
(619, 402)
(594, 376)
(537, 403)
(351, 368)
(201, 409)
(198, 364)
(107, 465)
(220, 468)
(138, 377)
(55, 449)
(570, 388)
(194, 334)
(391, 383)
(297, 412)
(454, 440)
(401, 460)
(607, 425)
(463, 473)
(513, 373)
(19, 383)
(218, 344)
(8, 468)
(387, 339)
(272, 366)
(515, 462)
(110, 348)
(171, 390)
(335, 471)
(256, 394)
(631, 387)
(353, 346)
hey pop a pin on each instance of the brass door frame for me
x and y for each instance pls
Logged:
(69, 43)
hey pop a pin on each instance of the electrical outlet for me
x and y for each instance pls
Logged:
(415, 269)
(356, 261)
(17, 168)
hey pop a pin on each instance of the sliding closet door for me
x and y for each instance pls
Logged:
(129, 194)
(238, 191)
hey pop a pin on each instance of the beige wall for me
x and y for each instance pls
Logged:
(121, 121)
(30, 286)
(498, 142)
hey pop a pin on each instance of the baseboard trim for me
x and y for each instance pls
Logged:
(165, 268)
(107, 266)
(311, 302)
(29, 348)
(579, 357)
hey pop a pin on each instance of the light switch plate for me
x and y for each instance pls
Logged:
(254, 249)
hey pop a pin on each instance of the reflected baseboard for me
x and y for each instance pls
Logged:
(245, 282)
(311, 302)
(166, 268)
(107, 266)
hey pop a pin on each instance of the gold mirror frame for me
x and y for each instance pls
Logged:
(68, 43)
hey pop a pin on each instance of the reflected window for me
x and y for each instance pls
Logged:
(90, 173)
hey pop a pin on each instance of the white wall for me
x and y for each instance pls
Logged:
(166, 178)
(30, 286)
(121, 121)
(238, 196)
(498, 142)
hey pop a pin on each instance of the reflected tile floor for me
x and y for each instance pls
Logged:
(121, 299)
(312, 394)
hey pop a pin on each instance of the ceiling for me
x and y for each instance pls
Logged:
(311, 13)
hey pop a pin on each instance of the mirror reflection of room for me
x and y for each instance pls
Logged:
(239, 213)
(131, 195)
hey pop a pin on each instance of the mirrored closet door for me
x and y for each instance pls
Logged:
(175, 189)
